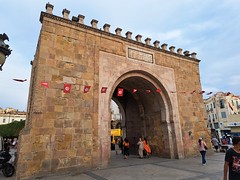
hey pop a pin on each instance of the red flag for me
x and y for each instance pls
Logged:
(86, 89)
(209, 93)
(134, 90)
(193, 92)
(67, 88)
(158, 90)
(120, 92)
(148, 91)
(104, 90)
(201, 92)
(20, 80)
(44, 84)
(230, 106)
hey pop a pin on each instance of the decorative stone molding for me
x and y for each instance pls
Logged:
(94, 23)
(172, 48)
(118, 31)
(81, 19)
(164, 46)
(157, 44)
(148, 41)
(65, 13)
(106, 27)
(49, 8)
(129, 35)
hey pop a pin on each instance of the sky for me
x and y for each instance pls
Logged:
(208, 27)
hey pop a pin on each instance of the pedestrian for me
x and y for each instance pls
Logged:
(147, 148)
(232, 161)
(215, 143)
(117, 149)
(126, 148)
(121, 144)
(140, 148)
(203, 150)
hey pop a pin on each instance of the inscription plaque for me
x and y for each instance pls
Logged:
(140, 55)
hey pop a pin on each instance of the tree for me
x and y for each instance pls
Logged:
(12, 129)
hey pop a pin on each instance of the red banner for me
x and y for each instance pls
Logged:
(134, 90)
(120, 92)
(44, 84)
(86, 89)
(104, 90)
(158, 90)
(67, 88)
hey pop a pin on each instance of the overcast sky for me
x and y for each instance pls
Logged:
(208, 27)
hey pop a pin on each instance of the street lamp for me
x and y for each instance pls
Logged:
(4, 50)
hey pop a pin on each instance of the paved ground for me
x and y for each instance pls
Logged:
(152, 168)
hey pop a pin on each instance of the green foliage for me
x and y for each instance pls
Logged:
(12, 129)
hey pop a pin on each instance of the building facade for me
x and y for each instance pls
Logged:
(10, 115)
(223, 112)
(79, 69)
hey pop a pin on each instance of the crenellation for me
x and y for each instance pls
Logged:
(75, 19)
(179, 51)
(106, 27)
(186, 53)
(148, 41)
(172, 48)
(129, 35)
(94, 23)
(164, 46)
(156, 44)
(118, 31)
(81, 19)
(194, 55)
(49, 8)
(138, 38)
(65, 13)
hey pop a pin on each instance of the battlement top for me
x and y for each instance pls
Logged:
(118, 32)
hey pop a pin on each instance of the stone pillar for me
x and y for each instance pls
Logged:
(156, 44)
(139, 38)
(179, 51)
(106, 27)
(49, 8)
(164, 46)
(65, 13)
(147, 41)
(94, 23)
(172, 48)
(81, 19)
(194, 55)
(129, 35)
(118, 31)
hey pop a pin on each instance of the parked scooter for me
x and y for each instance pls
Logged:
(5, 161)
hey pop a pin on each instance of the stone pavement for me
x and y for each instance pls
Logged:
(152, 168)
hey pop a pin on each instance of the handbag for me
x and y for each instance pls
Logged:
(205, 147)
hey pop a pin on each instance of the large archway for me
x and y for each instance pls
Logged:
(147, 113)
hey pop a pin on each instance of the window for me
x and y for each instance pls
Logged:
(207, 107)
(4, 120)
(223, 114)
(215, 116)
(209, 117)
(237, 103)
(213, 104)
(232, 103)
(221, 103)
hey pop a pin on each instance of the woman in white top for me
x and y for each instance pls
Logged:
(140, 148)
(203, 150)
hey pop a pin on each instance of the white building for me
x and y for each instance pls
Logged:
(10, 115)
(223, 111)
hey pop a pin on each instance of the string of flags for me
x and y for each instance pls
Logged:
(120, 91)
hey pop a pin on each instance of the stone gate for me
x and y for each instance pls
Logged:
(78, 69)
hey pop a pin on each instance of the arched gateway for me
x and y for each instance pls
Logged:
(68, 124)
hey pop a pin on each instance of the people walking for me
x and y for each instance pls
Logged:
(147, 148)
(140, 148)
(232, 161)
(203, 150)
(215, 143)
(126, 148)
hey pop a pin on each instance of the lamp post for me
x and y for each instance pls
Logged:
(4, 50)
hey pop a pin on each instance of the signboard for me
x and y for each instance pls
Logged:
(233, 124)
(116, 132)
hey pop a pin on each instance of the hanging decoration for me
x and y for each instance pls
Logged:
(120, 92)
(44, 84)
(104, 90)
(158, 90)
(134, 90)
(67, 88)
(86, 89)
